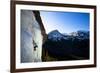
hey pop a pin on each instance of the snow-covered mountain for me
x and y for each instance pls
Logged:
(80, 35)
(62, 45)
(55, 35)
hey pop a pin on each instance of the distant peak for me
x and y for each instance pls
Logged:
(56, 35)
(55, 30)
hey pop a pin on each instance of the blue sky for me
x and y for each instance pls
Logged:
(65, 22)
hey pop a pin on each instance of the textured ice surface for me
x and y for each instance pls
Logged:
(30, 30)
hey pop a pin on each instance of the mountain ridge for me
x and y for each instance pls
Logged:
(55, 35)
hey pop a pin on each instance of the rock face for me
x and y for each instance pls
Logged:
(39, 20)
(32, 36)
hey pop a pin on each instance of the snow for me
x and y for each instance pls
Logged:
(55, 35)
